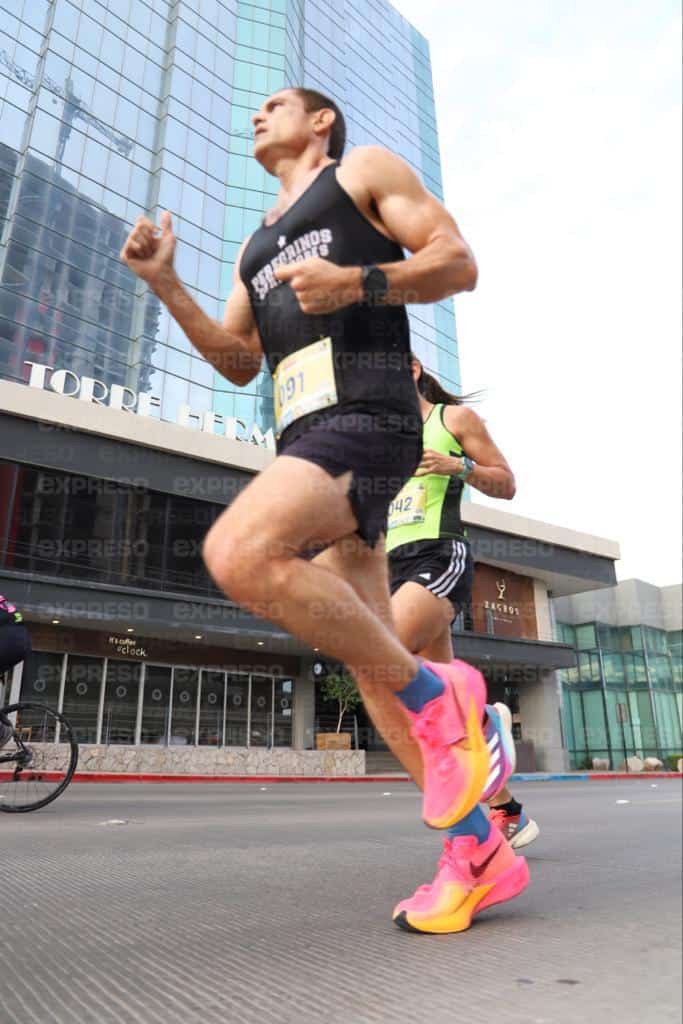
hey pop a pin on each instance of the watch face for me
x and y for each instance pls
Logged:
(376, 283)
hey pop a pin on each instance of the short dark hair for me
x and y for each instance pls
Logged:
(314, 100)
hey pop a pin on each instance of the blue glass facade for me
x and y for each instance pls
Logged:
(113, 108)
(625, 695)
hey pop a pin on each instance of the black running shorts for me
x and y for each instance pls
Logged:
(444, 567)
(381, 450)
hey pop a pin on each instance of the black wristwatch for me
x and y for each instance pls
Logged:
(375, 285)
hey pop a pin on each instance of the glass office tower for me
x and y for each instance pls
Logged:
(110, 108)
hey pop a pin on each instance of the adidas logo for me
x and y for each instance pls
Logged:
(425, 575)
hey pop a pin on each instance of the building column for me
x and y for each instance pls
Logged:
(303, 725)
(15, 683)
(540, 704)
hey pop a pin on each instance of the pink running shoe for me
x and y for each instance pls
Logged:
(454, 752)
(471, 876)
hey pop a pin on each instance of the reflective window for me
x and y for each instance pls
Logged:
(82, 689)
(211, 708)
(261, 718)
(236, 710)
(282, 712)
(184, 708)
(40, 683)
(156, 706)
(120, 702)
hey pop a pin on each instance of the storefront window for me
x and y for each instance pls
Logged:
(661, 672)
(184, 712)
(585, 637)
(82, 691)
(636, 638)
(178, 706)
(614, 669)
(236, 708)
(620, 727)
(120, 701)
(634, 667)
(283, 709)
(156, 704)
(594, 715)
(211, 708)
(40, 682)
(261, 711)
(668, 722)
(609, 637)
(655, 640)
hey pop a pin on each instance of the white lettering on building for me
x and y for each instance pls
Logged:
(89, 389)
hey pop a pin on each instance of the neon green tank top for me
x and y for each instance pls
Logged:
(428, 505)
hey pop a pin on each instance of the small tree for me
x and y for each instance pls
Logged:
(342, 688)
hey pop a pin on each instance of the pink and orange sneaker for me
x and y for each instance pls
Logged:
(471, 876)
(455, 755)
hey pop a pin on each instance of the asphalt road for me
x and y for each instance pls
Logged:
(239, 904)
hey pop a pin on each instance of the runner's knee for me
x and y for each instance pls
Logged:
(248, 569)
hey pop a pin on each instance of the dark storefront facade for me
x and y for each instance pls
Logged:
(101, 529)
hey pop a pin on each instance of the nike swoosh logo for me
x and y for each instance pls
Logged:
(477, 870)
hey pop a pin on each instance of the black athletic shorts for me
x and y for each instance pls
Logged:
(382, 451)
(15, 644)
(444, 567)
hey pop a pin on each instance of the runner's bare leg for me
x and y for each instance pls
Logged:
(253, 553)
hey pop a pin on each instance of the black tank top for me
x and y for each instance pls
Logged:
(371, 344)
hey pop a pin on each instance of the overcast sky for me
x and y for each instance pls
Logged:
(559, 126)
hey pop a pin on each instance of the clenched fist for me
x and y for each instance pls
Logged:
(322, 286)
(149, 249)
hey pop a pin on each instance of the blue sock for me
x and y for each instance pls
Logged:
(424, 687)
(475, 824)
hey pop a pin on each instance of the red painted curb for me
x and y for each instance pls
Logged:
(137, 777)
(634, 775)
(142, 777)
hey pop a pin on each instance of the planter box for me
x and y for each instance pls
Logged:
(333, 741)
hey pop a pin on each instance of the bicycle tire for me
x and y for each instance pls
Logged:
(65, 731)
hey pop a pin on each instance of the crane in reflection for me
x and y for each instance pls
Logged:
(73, 109)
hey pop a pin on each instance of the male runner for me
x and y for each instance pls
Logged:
(320, 290)
(431, 567)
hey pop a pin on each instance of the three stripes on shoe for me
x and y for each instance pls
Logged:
(496, 765)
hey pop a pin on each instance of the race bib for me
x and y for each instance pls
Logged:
(304, 382)
(408, 507)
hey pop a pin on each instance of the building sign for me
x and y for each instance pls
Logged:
(503, 603)
(507, 610)
(89, 389)
(127, 646)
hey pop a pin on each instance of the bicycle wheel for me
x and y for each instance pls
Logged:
(37, 764)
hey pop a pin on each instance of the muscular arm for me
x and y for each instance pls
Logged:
(232, 347)
(442, 262)
(492, 474)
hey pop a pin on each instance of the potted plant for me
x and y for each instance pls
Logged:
(340, 687)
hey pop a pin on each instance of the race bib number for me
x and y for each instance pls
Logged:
(408, 507)
(304, 382)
